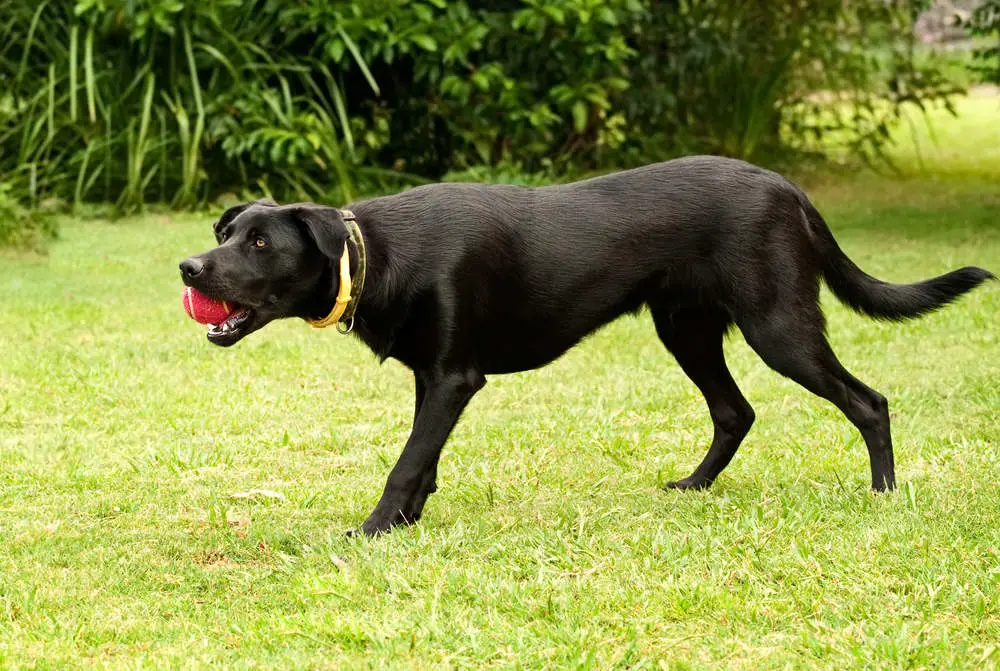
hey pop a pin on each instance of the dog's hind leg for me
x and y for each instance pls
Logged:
(794, 345)
(695, 337)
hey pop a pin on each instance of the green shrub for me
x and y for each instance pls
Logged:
(177, 101)
(985, 23)
(24, 227)
(124, 101)
(750, 79)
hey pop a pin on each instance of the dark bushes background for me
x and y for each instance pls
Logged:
(985, 24)
(132, 101)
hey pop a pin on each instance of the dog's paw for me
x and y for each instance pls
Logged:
(382, 523)
(361, 532)
(689, 483)
(369, 530)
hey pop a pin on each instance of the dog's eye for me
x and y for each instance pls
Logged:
(259, 242)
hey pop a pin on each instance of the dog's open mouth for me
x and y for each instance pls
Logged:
(232, 329)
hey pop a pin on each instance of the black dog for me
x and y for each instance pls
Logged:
(465, 281)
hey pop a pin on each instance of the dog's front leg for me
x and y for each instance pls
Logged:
(444, 396)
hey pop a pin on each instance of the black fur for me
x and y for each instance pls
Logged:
(466, 280)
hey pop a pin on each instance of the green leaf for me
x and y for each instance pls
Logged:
(481, 80)
(359, 59)
(562, 93)
(607, 15)
(83, 6)
(597, 97)
(276, 151)
(484, 149)
(336, 50)
(617, 83)
(580, 116)
(424, 13)
(425, 42)
(555, 13)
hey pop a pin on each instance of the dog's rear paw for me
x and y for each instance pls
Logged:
(689, 483)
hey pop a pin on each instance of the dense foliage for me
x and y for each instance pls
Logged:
(131, 101)
(985, 23)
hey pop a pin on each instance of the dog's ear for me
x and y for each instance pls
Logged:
(235, 211)
(325, 226)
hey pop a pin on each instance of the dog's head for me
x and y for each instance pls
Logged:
(269, 263)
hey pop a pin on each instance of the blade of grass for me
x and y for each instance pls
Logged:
(126, 199)
(98, 171)
(33, 127)
(51, 107)
(140, 77)
(221, 58)
(33, 182)
(88, 70)
(193, 145)
(79, 192)
(29, 41)
(163, 153)
(359, 59)
(74, 47)
(184, 137)
(338, 103)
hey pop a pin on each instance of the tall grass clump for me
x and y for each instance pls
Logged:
(126, 102)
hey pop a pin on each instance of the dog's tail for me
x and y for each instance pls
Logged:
(879, 299)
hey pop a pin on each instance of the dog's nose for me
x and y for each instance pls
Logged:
(192, 267)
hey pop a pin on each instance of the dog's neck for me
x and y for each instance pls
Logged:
(380, 307)
(350, 280)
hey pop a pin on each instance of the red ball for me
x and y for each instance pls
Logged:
(203, 309)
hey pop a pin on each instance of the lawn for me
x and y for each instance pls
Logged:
(124, 437)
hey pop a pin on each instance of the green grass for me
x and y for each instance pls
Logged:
(123, 435)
